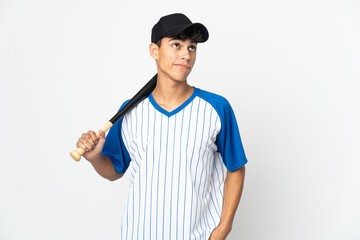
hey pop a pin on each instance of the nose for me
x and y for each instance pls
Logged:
(185, 54)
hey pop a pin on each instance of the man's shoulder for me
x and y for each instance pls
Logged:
(123, 104)
(130, 111)
(214, 99)
(128, 100)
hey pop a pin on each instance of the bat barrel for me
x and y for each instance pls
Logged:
(141, 95)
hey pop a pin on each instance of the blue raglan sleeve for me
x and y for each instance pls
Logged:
(228, 140)
(114, 147)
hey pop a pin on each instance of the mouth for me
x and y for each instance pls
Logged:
(182, 66)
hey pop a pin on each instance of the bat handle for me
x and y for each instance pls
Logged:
(76, 154)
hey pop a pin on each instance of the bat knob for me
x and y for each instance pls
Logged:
(76, 154)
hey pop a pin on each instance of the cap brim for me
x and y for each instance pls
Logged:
(179, 29)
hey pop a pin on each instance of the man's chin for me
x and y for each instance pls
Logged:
(180, 77)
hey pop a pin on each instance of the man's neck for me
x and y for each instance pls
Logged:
(170, 94)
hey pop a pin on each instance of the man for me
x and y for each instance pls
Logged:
(178, 139)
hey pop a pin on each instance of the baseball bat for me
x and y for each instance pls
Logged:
(141, 95)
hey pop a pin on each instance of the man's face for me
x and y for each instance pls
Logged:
(176, 58)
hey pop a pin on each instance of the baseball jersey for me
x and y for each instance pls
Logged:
(177, 168)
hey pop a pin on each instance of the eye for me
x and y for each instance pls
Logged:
(192, 48)
(176, 45)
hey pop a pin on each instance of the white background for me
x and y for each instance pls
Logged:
(290, 69)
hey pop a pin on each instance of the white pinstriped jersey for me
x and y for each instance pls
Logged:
(177, 171)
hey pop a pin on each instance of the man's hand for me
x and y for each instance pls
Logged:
(93, 147)
(91, 144)
(219, 234)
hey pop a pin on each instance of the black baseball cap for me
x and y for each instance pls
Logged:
(173, 24)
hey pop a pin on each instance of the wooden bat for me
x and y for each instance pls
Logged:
(141, 95)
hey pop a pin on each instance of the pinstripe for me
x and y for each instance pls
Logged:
(210, 195)
(187, 142)
(142, 120)
(177, 202)
(127, 144)
(208, 170)
(215, 154)
(136, 136)
(200, 186)
(201, 205)
(202, 134)
(127, 220)
(146, 168)
(217, 202)
(207, 144)
(210, 188)
(130, 137)
(152, 173)
(157, 192)
(167, 136)
(131, 127)
(121, 230)
(216, 171)
(137, 225)
(211, 216)
(136, 121)
(172, 174)
(132, 157)
(132, 176)
(133, 209)
(212, 201)
(139, 175)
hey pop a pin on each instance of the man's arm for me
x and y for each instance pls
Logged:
(105, 168)
(233, 187)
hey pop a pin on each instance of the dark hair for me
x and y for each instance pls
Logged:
(191, 33)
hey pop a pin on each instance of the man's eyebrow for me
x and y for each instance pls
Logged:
(174, 39)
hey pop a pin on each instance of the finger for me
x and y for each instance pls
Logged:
(88, 146)
(89, 139)
(93, 135)
(81, 145)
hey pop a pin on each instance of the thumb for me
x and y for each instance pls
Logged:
(101, 137)
(101, 141)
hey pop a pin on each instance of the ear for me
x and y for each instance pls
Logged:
(154, 51)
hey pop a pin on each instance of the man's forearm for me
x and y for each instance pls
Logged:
(105, 168)
(233, 187)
